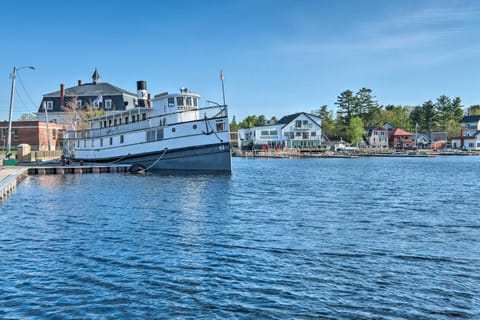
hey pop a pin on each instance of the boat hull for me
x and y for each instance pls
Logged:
(213, 158)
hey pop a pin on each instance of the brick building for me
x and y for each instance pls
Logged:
(33, 133)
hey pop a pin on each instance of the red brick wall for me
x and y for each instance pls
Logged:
(33, 133)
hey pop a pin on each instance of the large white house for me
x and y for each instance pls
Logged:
(470, 139)
(293, 131)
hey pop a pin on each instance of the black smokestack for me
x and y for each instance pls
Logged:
(142, 93)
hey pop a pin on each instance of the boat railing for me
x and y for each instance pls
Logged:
(152, 122)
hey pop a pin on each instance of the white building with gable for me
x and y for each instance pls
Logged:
(293, 131)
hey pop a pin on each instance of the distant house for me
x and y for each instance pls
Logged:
(469, 142)
(100, 95)
(470, 124)
(438, 140)
(376, 137)
(400, 139)
(421, 141)
(293, 131)
(33, 133)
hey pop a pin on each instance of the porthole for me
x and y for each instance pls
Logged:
(194, 127)
(173, 130)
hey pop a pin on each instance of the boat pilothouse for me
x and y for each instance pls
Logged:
(168, 132)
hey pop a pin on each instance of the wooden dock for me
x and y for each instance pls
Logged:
(10, 177)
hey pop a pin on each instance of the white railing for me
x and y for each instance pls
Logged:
(153, 122)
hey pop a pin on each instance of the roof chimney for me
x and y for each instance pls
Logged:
(62, 95)
(79, 83)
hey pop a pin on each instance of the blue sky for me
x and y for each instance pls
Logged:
(278, 56)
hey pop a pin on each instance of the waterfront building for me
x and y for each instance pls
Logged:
(421, 141)
(400, 139)
(100, 95)
(376, 137)
(470, 125)
(469, 141)
(299, 130)
(33, 133)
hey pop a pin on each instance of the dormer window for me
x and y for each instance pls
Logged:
(49, 105)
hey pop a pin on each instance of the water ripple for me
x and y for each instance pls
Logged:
(294, 239)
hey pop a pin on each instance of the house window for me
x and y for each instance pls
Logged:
(108, 104)
(54, 134)
(313, 134)
(15, 134)
(298, 134)
(49, 105)
(171, 102)
(78, 103)
(298, 123)
(305, 135)
(305, 122)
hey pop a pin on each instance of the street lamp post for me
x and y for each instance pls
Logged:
(12, 95)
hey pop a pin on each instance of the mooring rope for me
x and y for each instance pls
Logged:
(156, 161)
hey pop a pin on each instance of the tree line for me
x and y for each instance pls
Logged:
(357, 111)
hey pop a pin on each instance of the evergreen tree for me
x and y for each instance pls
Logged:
(429, 117)
(367, 108)
(443, 108)
(457, 109)
(345, 111)
(233, 125)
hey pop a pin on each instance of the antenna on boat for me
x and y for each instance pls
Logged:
(223, 89)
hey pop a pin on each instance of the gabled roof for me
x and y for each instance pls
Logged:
(90, 89)
(400, 132)
(469, 119)
(289, 118)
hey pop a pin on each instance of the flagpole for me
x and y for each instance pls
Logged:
(223, 88)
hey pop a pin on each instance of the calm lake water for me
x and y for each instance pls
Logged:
(366, 238)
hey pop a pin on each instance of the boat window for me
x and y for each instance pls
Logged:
(171, 102)
(189, 101)
(105, 123)
(133, 118)
(195, 103)
(122, 139)
(110, 122)
(101, 142)
(111, 140)
(93, 143)
(179, 101)
(221, 126)
(126, 120)
(144, 116)
(115, 122)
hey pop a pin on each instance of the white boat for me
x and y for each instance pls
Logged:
(168, 132)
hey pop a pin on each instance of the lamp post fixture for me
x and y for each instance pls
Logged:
(12, 95)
